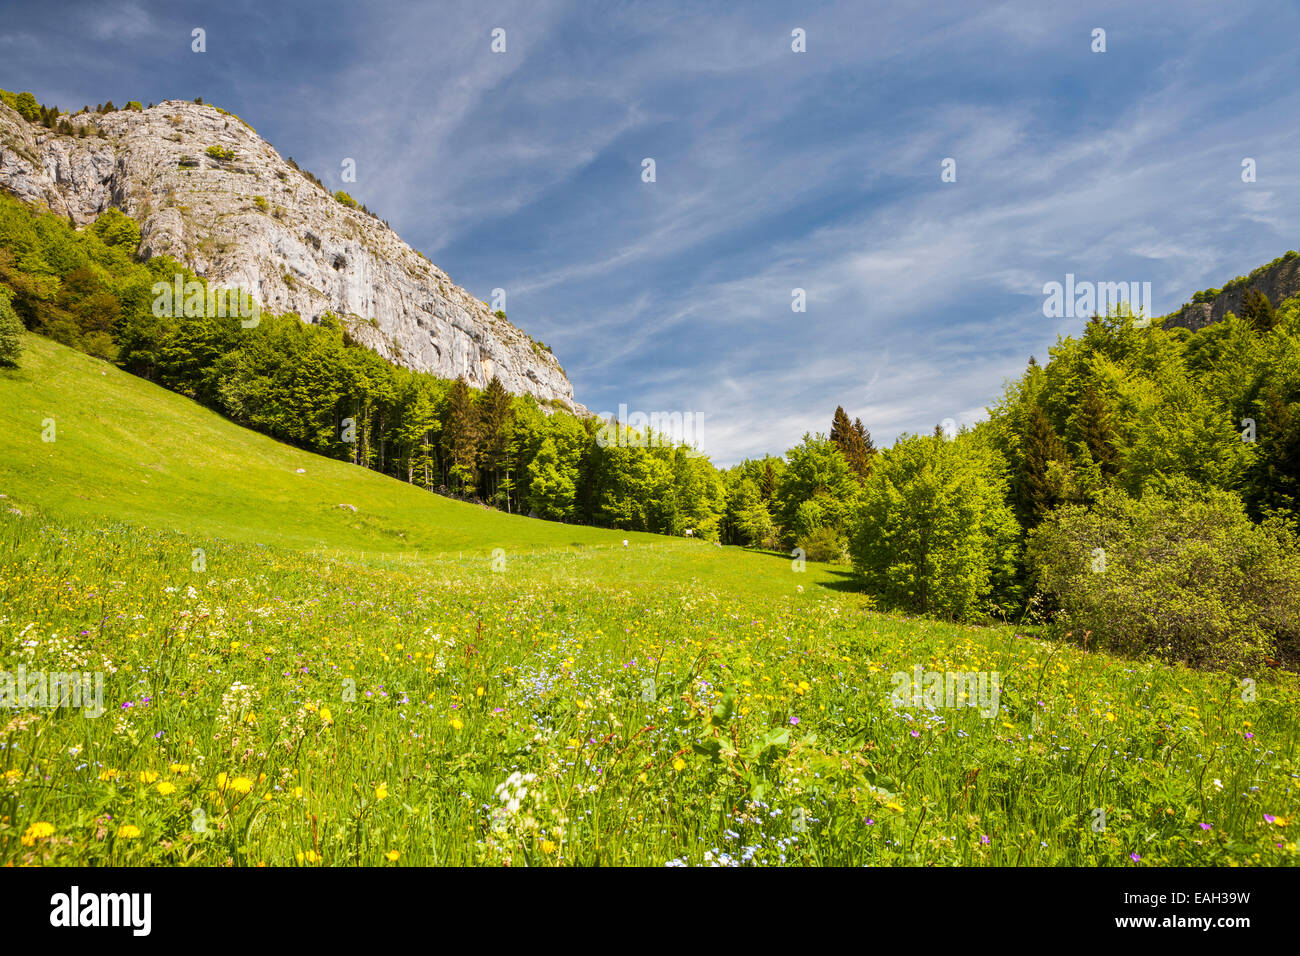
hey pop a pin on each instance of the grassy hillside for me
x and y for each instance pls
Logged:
(131, 450)
(574, 703)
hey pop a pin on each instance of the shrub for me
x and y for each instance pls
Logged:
(934, 533)
(221, 153)
(27, 107)
(1181, 573)
(117, 229)
(347, 200)
(11, 330)
(261, 203)
(823, 544)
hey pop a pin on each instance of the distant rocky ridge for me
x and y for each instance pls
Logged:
(1279, 280)
(242, 216)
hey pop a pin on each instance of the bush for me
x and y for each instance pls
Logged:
(117, 229)
(347, 200)
(11, 330)
(934, 533)
(221, 153)
(824, 544)
(1182, 574)
(27, 107)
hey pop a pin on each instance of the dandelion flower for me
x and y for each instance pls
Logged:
(128, 831)
(456, 724)
(166, 788)
(679, 764)
(241, 785)
(37, 831)
(325, 716)
(393, 856)
(381, 792)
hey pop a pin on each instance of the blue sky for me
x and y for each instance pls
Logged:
(775, 170)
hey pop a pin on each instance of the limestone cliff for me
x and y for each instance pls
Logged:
(241, 215)
(1279, 280)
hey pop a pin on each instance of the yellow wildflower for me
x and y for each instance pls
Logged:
(37, 831)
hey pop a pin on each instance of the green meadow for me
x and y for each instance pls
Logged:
(287, 681)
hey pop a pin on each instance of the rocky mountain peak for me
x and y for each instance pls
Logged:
(208, 190)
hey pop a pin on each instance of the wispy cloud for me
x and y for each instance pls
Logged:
(776, 171)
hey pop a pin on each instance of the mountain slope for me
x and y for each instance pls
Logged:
(127, 449)
(212, 193)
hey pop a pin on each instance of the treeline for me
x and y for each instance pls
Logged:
(314, 387)
(52, 118)
(1140, 490)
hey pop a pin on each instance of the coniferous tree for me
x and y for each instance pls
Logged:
(864, 436)
(462, 437)
(1273, 484)
(496, 416)
(767, 486)
(1097, 430)
(1258, 310)
(1038, 492)
(854, 443)
(840, 429)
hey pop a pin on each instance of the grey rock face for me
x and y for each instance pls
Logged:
(1278, 282)
(255, 222)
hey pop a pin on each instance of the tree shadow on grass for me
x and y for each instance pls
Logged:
(846, 582)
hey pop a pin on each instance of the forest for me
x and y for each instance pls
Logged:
(1141, 486)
